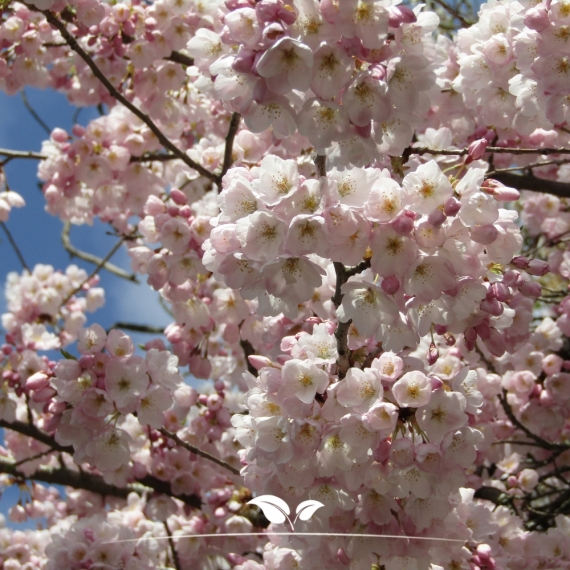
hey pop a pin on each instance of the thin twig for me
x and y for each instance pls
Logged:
(34, 457)
(137, 328)
(198, 451)
(32, 112)
(89, 257)
(452, 12)
(234, 126)
(539, 440)
(15, 247)
(166, 142)
(172, 547)
(178, 57)
(100, 266)
(528, 166)
(498, 149)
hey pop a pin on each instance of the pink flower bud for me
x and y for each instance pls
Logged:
(530, 289)
(501, 292)
(59, 135)
(470, 334)
(495, 343)
(57, 407)
(433, 354)
(520, 262)
(483, 330)
(440, 329)
(499, 191)
(37, 381)
(200, 367)
(492, 306)
(436, 217)
(173, 211)
(178, 197)
(449, 339)
(403, 225)
(436, 382)
(243, 62)
(390, 285)
(43, 395)
(342, 557)
(512, 278)
(476, 150)
(53, 423)
(538, 267)
(537, 19)
(451, 207)
(259, 362)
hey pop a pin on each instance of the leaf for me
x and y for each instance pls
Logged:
(307, 509)
(274, 508)
(67, 355)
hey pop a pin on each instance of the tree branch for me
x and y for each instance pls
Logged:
(100, 266)
(178, 57)
(541, 442)
(522, 182)
(198, 451)
(164, 141)
(452, 12)
(234, 126)
(74, 252)
(20, 154)
(15, 247)
(136, 328)
(341, 333)
(496, 149)
(172, 547)
(149, 481)
(32, 112)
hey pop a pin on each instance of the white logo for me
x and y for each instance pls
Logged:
(276, 510)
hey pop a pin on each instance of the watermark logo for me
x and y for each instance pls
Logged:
(277, 511)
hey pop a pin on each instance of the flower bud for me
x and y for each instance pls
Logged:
(530, 289)
(403, 225)
(399, 15)
(436, 217)
(390, 285)
(451, 207)
(259, 362)
(476, 150)
(538, 267)
(433, 354)
(520, 262)
(37, 381)
(537, 19)
(483, 330)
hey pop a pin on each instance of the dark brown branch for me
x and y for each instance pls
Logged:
(178, 57)
(172, 547)
(137, 328)
(493, 149)
(341, 333)
(233, 128)
(539, 440)
(147, 481)
(522, 182)
(248, 350)
(198, 451)
(164, 141)
(15, 247)
(89, 257)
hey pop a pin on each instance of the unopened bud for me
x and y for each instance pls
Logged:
(449, 339)
(390, 285)
(492, 306)
(399, 15)
(433, 354)
(538, 267)
(501, 291)
(537, 19)
(476, 150)
(403, 225)
(37, 381)
(531, 289)
(520, 262)
(483, 330)
(178, 197)
(436, 217)
(259, 362)
(451, 207)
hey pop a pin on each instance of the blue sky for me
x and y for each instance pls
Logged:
(38, 234)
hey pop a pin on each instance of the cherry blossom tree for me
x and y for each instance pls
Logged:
(357, 214)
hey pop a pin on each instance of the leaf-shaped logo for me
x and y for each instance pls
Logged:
(274, 508)
(307, 509)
